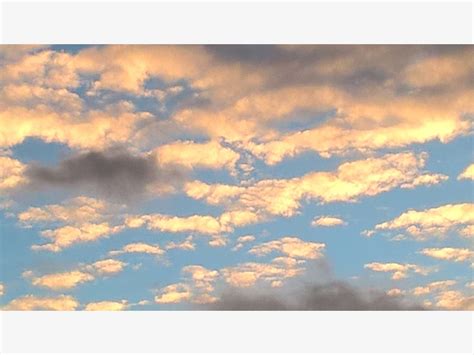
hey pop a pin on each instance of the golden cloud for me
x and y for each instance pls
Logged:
(31, 303)
(437, 221)
(107, 306)
(327, 221)
(399, 271)
(449, 254)
(292, 247)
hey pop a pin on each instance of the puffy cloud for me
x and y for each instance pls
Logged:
(363, 124)
(327, 221)
(2, 289)
(107, 306)
(71, 279)
(425, 180)
(292, 247)
(139, 248)
(399, 271)
(282, 197)
(186, 244)
(210, 155)
(468, 173)
(166, 223)
(363, 88)
(107, 266)
(31, 302)
(275, 272)
(437, 221)
(449, 254)
(84, 220)
(174, 293)
(66, 236)
(455, 300)
(96, 130)
(11, 173)
(197, 288)
(433, 287)
(202, 278)
(78, 210)
(200, 224)
(61, 281)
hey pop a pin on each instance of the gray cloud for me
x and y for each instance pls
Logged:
(331, 296)
(116, 174)
(316, 290)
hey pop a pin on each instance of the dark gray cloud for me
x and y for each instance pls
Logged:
(316, 290)
(116, 174)
(331, 296)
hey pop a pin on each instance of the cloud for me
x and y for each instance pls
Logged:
(292, 247)
(373, 94)
(31, 303)
(327, 221)
(139, 248)
(244, 239)
(174, 293)
(455, 300)
(2, 289)
(191, 155)
(202, 278)
(81, 220)
(186, 244)
(395, 292)
(71, 279)
(433, 222)
(449, 254)
(61, 281)
(399, 271)
(197, 287)
(65, 237)
(12, 174)
(283, 197)
(330, 296)
(107, 306)
(440, 70)
(200, 224)
(432, 287)
(113, 174)
(78, 210)
(96, 130)
(250, 273)
(107, 266)
(468, 173)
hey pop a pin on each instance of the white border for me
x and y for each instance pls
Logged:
(220, 332)
(230, 22)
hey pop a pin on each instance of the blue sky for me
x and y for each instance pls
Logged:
(209, 144)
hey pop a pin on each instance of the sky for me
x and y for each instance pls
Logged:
(236, 177)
